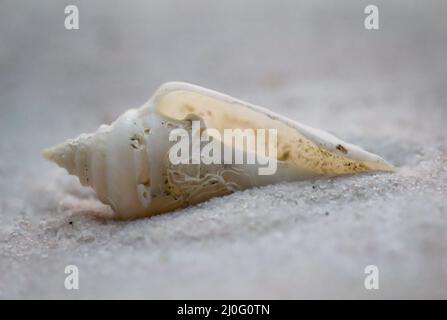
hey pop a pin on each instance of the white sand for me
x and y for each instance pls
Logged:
(384, 90)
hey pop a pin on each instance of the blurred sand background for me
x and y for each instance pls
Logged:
(313, 61)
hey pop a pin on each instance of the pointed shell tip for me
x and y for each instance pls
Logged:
(47, 153)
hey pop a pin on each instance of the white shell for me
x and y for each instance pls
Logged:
(126, 162)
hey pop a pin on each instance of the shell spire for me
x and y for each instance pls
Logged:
(63, 155)
(74, 155)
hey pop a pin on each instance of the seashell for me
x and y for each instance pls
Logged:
(128, 162)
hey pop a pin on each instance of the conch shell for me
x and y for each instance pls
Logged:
(127, 163)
